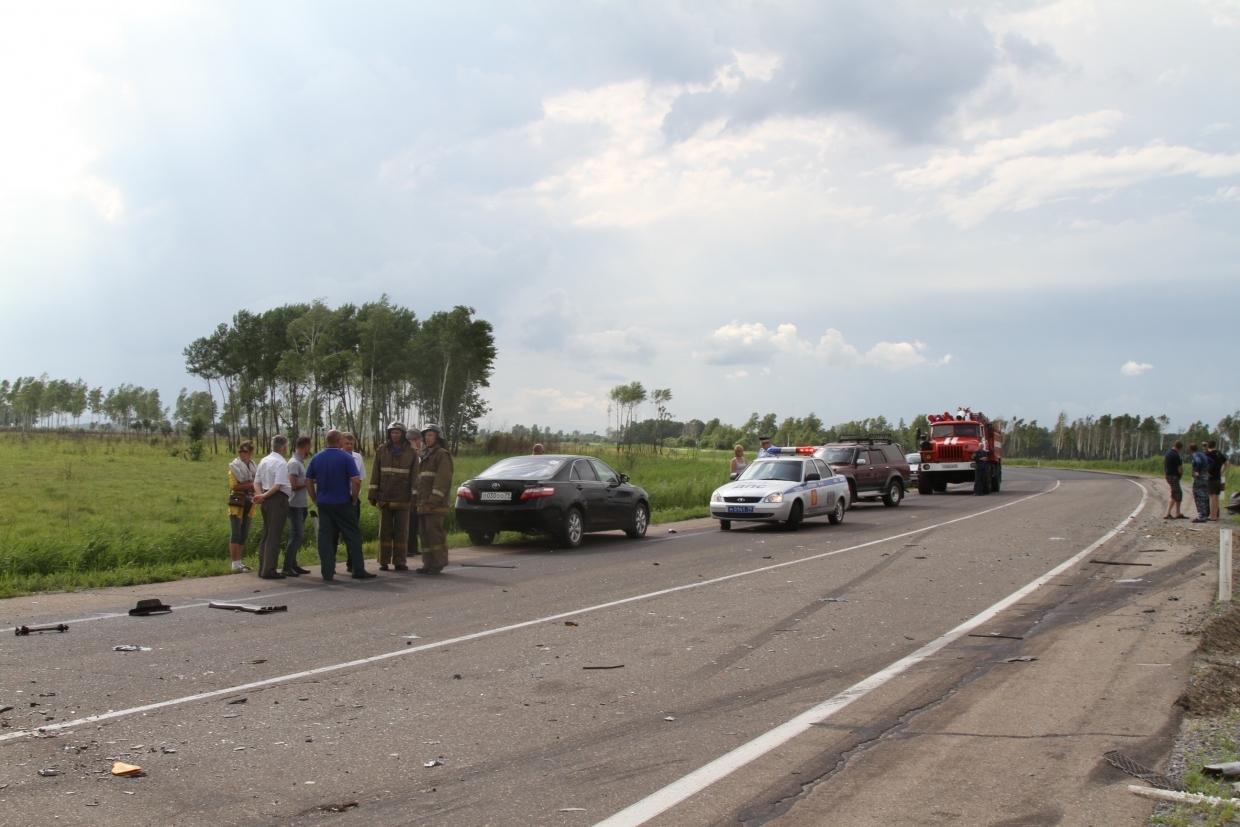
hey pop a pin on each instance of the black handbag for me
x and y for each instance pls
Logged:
(238, 499)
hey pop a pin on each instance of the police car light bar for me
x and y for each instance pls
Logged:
(804, 449)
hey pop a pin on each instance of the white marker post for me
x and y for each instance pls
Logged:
(1224, 565)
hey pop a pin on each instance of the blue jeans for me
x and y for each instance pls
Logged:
(296, 534)
(339, 520)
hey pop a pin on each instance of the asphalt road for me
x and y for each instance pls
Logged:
(548, 687)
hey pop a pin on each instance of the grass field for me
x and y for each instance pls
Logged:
(89, 510)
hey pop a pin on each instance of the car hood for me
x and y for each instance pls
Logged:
(756, 487)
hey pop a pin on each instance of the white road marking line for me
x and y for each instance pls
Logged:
(335, 667)
(703, 777)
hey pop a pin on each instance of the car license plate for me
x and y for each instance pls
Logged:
(496, 495)
(740, 509)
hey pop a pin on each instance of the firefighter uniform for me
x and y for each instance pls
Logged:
(981, 485)
(434, 493)
(392, 485)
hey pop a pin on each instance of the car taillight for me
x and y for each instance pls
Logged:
(465, 493)
(539, 491)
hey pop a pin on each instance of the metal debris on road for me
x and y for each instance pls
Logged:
(22, 631)
(617, 666)
(49, 772)
(767, 557)
(410, 637)
(671, 531)
(253, 662)
(1020, 659)
(1148, 611)
(4, 709)
(569, 623)
(335, 808)
(996, 634)
(241, 607)
(1130, 580)
(669, 718)
(1173, 795)
(129, 647)
(127, 770)
(152, 606)
(429, 764)
(238, 701)
(1118, 563)
(1231, 769)
(832, 600)
(1125, 764)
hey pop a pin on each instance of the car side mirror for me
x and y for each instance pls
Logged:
(812, 476)
(733, 476)
(862, 461)
(624, 478)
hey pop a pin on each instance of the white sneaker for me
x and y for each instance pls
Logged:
(242, 567)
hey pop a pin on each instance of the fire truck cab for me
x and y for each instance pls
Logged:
(947, 451)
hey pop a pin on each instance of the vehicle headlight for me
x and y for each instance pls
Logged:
(773, 498)
(716, 497)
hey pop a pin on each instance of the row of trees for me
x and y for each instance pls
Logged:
(1108, 437)
(303, 368)
(27, 403)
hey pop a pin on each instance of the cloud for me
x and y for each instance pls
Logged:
(1131, 368)
(750, 343)
(740, 374)
(540, 401)
(557, 325)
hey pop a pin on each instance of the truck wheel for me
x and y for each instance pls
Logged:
(725, 525)
(641, 521)
(998, 479)
(574, 527)
(481, 538)
(795, 516)
(837, 514)
(924, 484)
(893, 494)
(939, 487)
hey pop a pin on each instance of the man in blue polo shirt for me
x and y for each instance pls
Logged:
(333, 483)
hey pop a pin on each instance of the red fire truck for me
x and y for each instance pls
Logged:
(947, 451)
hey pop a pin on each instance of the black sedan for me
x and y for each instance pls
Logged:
(564, 496)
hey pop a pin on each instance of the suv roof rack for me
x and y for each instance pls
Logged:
(869, 439)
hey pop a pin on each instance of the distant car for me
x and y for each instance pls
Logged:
(788, 489)
(873, 464)
(565, 496)
(914, 463)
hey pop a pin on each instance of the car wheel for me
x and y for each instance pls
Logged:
(641, 521)
(852, 493)
(925, 485)
(998, 479)
(795, 516)
(893, 494)
(725, 525)
(574, 527)
(481, 538)
(837, 514)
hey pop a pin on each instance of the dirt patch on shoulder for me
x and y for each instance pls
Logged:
(1214, 687)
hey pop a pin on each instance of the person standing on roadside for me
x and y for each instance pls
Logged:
(764, 447)
(1201, 484)
(981, 470)
(241, 506)
(434, 489)
(1173, 470)
(539, 450)
(348, 443)
(333, 484)
(738, 463)
(1214, 483)
(272, 484)
(394, 477)
(298, 507)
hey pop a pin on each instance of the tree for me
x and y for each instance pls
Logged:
(660, 397)
(626, 399)
(454, 356)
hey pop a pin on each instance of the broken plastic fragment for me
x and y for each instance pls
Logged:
(49, 772)
(432, 763)
(129, 647)
(1020, 659)
(121, 768)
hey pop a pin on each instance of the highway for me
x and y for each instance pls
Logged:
(756, 676)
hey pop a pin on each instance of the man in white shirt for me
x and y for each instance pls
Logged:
(273, 487)
(348, 444)
(765, 449)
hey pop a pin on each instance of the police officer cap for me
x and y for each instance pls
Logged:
(398, 426)
(764, 439)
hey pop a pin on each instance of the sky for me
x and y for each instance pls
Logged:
(845, 208)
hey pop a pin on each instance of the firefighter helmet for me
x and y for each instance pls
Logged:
(438, 432)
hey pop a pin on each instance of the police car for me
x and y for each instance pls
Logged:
(788, 485)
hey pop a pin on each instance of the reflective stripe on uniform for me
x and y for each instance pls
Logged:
(437, 492)
(393, 470)
(427, 474)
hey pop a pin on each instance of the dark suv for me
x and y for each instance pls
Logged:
(874, 465)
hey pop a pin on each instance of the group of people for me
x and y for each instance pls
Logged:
(1207, 464)
(410, 480)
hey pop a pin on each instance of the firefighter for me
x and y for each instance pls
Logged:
(434, 491)
(392, 484)
(981, 482)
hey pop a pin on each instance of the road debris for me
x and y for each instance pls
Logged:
(241, 607)
(669, 718)
(671, 531)
(153, 606)
(411, 637)
(126, 770)
(238, 701)
(22, 631)
(997, 635)
(569, 623)
(1020, 659)
(1125, 764)
(49, 772)
(1187, 798)
(130, 647)
(253, 662)
(1130, 580)
(576, 809)
(1231, 769)
(335, 808)
(1118, 563)
(4, 709)
(429, 764)
(832, 600)
(617, 666)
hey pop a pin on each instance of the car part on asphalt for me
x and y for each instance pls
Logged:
(149, 607)
(127, 770)
(1019, 659)
(22, 631)
(1231, 769)
(129, 647)
(1125, 764)
(1118, 563)
(617, 666)
(240, 607)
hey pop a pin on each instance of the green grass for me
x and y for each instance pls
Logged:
(87, 510)
(1213, 744)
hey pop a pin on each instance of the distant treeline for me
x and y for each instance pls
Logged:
(27, 403)
(302, 368)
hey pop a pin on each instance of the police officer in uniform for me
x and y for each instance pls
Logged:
(434, 491)
(392, 482)
(981, 472)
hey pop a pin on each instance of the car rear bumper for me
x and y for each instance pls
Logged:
(526, 519)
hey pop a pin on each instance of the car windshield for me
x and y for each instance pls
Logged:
(956, 429)
(837, 456)
(523, 468)
(790, 471)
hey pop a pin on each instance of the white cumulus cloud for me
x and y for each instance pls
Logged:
(751, 342)
(1131, 368)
